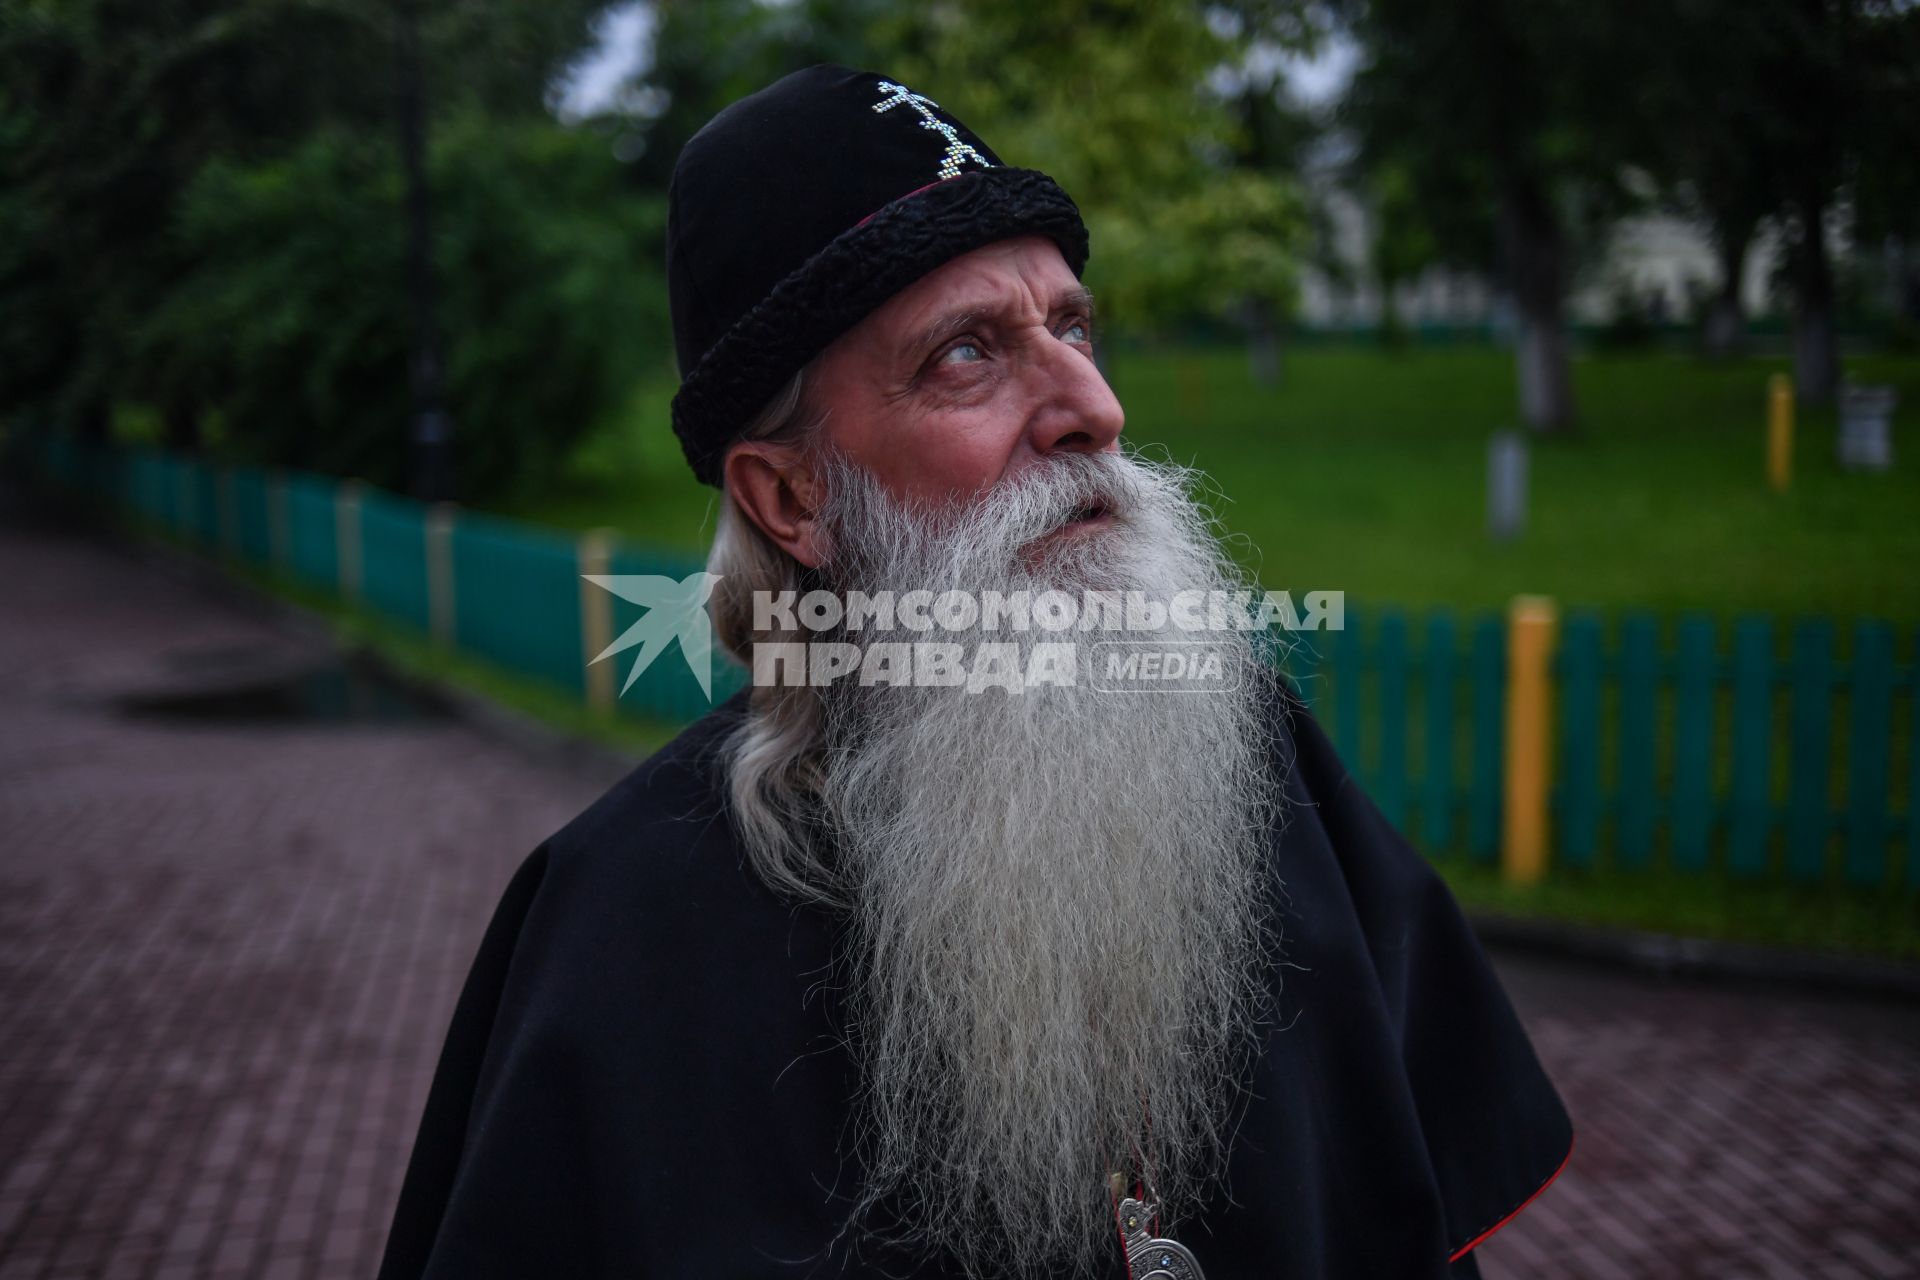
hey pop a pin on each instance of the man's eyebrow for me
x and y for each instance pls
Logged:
(948, 326)
(955, 323)
(1080, 299)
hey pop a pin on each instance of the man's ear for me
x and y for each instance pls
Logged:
(778, 489)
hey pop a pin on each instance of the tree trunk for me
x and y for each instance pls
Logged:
(1816, 348)
(1535, 254)
(1726, 327)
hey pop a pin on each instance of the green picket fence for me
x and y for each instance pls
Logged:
(1417, 712)
(1763, 749)
(502, 590)
(1769, 750)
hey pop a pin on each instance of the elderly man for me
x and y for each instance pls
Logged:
(896, 968)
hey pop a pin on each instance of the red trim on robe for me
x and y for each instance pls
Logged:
(1470, 1245)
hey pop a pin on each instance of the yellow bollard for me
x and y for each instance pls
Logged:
(596, 619)
(1523, 835)
(1779, 432)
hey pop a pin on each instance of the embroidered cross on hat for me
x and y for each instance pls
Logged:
(798, 210)
(958, 152)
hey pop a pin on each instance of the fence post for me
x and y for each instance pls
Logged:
(1638, 750)
(1349, 666)
(229, 511)
(1483, 804)
(1580, 716)
(183, 499)
(1810, 750)
(596, 618)
(1779, 432)
(1390, 788)
(1437, 798)
(346, 539)
(1696, 684)
(1870, 708)
(440, 597)
(279, 522)
(1750, 825)
(1523, 845)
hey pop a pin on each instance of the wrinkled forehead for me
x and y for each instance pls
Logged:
(1009, 281)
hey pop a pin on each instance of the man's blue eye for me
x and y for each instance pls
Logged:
(963, 353)
(1075, 332)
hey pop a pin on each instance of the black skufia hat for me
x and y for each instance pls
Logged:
(796, 211)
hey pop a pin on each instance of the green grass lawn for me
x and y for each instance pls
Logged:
(1364, 472)
(1832, 919)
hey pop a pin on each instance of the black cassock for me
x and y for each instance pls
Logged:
(644, 1077)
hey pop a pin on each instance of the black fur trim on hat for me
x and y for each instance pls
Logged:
(844, 282)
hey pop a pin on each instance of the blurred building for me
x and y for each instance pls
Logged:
(1662, 264)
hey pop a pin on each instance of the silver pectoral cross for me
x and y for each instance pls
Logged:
(1150, 1257)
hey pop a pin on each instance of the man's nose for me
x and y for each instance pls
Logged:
(1074, 411)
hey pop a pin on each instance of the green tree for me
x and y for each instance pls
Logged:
(1403, 243)
(1886, 185)
(1711, 121)
(1510, 127)
(111, 106)
(294, 331)
(1113, 98)
(1119, 101)
(1274, 137)
(1788, 109)
(114, 110)
(1847, 94)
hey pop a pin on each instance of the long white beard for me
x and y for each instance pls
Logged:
(1057, 896)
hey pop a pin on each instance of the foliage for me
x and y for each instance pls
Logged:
(709, 53)
(113, 111)
(1404, 242)
(292, 327)
(1111, 98)
(1886, 177)
(1508, 133)
(110, 108)
(1747, 110)
(1527, 95)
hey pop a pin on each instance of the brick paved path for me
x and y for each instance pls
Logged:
(228, 954)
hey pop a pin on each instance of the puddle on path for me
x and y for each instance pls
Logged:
(333, 692)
